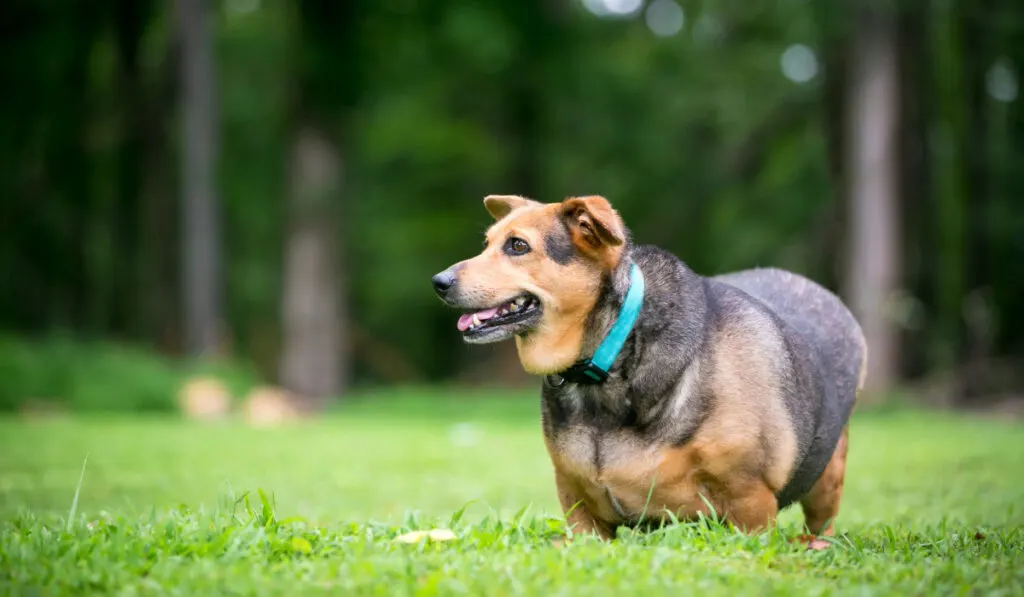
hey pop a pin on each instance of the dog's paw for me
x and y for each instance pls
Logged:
(812, 542)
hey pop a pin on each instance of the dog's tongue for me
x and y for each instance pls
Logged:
(467, 319)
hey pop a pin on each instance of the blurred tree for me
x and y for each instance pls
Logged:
(1005, 227)
(314, 316)
(976, 322)
(130, 19)
(917, 113)
(201, 261)
(733, 134)
(313, 319)
(872, 120)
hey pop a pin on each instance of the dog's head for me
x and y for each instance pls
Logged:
(537, 278)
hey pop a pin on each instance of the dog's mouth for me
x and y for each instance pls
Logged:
(499, 323)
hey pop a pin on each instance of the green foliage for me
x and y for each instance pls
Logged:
(172, 518)
(698, 138)
(240, 551)
(100, 376)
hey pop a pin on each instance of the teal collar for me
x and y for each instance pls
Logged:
(595, 369)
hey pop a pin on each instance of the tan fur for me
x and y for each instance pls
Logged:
(716, 469)
(683, 478)
(629, 467)
(745, 384)
(500, 206)
(578, 518)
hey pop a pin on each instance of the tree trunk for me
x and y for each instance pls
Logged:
(950, 188)
(976, 333)
(201, 259)
(829, 239)
(873, 272)
(313, 356)
(130, 18)
(160, 239)
(916, 192)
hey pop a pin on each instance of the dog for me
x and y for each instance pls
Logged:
(665, 394)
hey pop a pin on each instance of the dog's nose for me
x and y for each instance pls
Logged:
(443, 282)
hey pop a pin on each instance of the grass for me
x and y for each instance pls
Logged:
(933, 506)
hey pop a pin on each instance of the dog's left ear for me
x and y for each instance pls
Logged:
(500, 206)
(594, 223)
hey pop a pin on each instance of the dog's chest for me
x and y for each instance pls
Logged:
(614, 470)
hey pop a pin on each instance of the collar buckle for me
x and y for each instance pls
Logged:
(584, 373)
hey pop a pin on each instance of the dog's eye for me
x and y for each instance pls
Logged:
(516, 246)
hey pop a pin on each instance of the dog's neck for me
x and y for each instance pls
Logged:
(556, 347)
(552, 349)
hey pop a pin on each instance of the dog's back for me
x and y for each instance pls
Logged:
(828, 342)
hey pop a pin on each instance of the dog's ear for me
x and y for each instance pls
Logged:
(594, 224)
(500, 206)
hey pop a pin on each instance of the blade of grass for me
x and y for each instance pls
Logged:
(648, 502)
(74, 502)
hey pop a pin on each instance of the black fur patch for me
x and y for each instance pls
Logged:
(558, 245)
(554, 413)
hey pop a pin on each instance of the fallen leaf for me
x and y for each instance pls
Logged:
(433, 535)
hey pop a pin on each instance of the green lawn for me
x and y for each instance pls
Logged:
(934, 505)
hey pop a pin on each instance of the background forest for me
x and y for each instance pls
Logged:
(264, 188)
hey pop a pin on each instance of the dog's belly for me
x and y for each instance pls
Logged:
(623, 479)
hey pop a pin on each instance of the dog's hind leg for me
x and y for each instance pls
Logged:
(821, 504)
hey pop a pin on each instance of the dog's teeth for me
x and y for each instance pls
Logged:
(514, 307)
(521, 300)
(476, 320)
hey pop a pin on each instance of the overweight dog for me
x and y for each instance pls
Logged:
(665, 391)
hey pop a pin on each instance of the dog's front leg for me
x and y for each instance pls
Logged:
(577, 515)
(751, 507)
